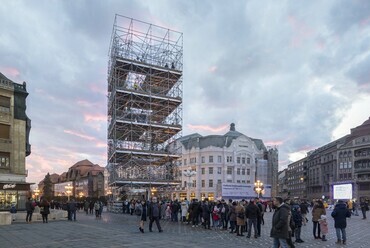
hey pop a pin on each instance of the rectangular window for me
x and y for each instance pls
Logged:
(243, 160)
(219, 170)
(194, 183)
(185, 161)
(210, 183)
(203, 171)
(210, 159)
(193, 160)
(210, 170)
(237, 181)
(229, 159)
(185, 184)
(341, 165)
(248, 160)
(238, 160)
(219, 159)
(238, 171)
(229, 181)
(243, 171)
(248, 172)
(248, 181)
(219, 181)
(203, 160)
(4, 131)
(5, 104)
(229, 170)
(349, 165)
(203, 183)
(4, 159)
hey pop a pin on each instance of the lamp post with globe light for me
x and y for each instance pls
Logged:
(258, 187)
(188, 173)
(68, 190)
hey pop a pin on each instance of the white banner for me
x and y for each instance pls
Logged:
(243, 191)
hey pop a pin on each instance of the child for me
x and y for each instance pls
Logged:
(324, 227)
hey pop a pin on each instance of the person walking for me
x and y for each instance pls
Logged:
(340, 215)
(317, 211)
(44, 210)
(154, 213)
(364, 207)
(143, 216)
(29, 208)
(280, 231)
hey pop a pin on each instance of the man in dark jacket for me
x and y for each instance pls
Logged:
(364, 207)
(72, 207)
(194, 210)
(29, 208)
(252, 212)
(279, 230)
(340, 215)
(260, 216)
(154, 212)
(206, 214)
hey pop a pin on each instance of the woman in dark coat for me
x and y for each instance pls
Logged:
(232, 217)
(143, 216)
(340, 215)
(44, 210)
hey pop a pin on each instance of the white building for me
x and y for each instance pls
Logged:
(217, 159)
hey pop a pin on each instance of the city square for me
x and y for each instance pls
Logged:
(121, 230)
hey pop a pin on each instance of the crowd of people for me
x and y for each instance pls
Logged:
(247, 217)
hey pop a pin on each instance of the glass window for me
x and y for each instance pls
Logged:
(229, 170)
(243, 171)
(203, 183)
(237, 181)
(210, 170)
(219, 159)
(185, 161)
(210, 183)
(219, 170)
(4, 131)
(243, 160)
(229, 159)
(238, 171)
(203, 160)
(203, 171)
(238, 160)
(210, 159)
(248, 172)
(4, 159)
(219, 181)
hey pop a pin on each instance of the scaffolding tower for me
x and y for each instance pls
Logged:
(144, 104)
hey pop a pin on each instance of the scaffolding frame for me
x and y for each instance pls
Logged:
(144, 103)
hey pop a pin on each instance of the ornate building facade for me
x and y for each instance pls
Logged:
(14, 144)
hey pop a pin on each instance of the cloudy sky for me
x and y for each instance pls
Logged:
(295, 74)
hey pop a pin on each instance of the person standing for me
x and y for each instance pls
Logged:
(317, 211)
(260, 216)
(72, 208)
(251, 213)
(206, 214)
(304, 211)
(29, 208)
(280, 231)
(364, 207)
(44, 210)
(232, 217)
(324, 227)
(297, 219)
(340, 215)
(184, 210)
(143, 216)
(154, 213)
(240, 219)
(224, 214)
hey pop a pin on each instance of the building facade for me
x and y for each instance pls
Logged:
(343, 161)
(296, 179)
(14, 144)
(233, 158)
(84, 178)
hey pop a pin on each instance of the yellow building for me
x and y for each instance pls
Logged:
(14, 144)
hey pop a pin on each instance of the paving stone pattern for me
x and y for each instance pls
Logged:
(121, 230)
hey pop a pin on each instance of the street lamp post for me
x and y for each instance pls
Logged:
(188, 173)
(258, 187)
(68, 190)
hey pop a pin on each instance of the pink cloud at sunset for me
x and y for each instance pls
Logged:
(83, 136)
(274, 143)
(208, 128)
(97, 117)
(301, 31)
(10, 72)
(212, 69)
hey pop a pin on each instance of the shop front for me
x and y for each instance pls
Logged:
(13, 194)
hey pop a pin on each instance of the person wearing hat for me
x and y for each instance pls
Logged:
(340, 215)
(324, 227)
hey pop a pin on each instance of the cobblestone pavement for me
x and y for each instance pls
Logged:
(118, 230)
